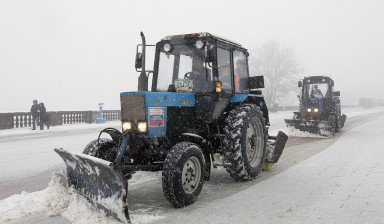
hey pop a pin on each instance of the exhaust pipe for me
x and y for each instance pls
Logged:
(143, 78)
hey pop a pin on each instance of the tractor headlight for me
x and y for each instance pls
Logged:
(167, 47)
(127, 125)
(199, 44)
(316, 110)
(142, 126)
(309, 110)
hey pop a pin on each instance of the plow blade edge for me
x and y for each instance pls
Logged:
(97, 180)
(312, 126)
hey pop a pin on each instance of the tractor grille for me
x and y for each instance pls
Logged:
(132, 108)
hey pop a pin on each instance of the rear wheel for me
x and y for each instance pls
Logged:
(338, 123)
(246, 136)
(333, 125)
(183, 174)
(102, 148)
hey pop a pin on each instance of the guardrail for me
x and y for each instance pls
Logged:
(24, 119)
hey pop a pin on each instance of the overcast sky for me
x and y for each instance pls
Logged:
(73, 54)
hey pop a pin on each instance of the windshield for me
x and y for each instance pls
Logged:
(184, 69)
(317, 90)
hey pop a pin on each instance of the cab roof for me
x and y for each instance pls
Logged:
(202, 34)
(317, 78)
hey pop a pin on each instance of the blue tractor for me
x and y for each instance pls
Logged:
(203, 111)
(320, 109)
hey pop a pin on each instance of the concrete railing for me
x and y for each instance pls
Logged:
(24, 119)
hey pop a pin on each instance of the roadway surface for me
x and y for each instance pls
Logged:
(148, 196)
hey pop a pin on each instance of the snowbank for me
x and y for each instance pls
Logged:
(59, 199)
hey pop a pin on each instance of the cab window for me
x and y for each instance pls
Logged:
(223, 62)
(240, 71)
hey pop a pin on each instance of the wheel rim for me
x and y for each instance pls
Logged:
(255, 142)
(191, 175)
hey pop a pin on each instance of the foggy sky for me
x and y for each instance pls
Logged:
(74, 54)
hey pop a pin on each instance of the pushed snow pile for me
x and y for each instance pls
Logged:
(59, 199)
(291, 131)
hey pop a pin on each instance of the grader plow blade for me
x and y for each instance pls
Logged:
(99, 182)
(321, 127)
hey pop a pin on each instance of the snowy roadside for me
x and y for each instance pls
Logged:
(55, 129)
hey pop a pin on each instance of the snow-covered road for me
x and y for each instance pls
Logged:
(340, 182)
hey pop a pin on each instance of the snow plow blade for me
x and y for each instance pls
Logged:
(322, 128)
(96, 179)
(276, 146)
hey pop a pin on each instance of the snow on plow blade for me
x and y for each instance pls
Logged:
(312, 126)
(97, 180)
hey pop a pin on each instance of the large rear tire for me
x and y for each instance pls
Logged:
(103, 148)
(183, 174)
(246, 138)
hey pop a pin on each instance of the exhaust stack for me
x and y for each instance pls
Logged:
(143, 78)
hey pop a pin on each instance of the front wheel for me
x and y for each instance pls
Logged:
(183, 174)
(102, 148)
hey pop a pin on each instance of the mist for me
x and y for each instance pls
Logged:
(72, 55)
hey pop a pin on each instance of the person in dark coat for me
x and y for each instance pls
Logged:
(35, 114)
(43, 116)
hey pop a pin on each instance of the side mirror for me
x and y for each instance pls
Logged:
(138, 62)
(332, 83)
(300, 84)
(336, 93)
(256, 82)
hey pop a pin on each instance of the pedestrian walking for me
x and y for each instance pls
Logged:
(35, 112)
(43, 116)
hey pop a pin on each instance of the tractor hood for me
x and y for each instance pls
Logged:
(152, 108)
(315, 103)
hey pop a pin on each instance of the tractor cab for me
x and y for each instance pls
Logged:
(317, 87)
(200, 63)
(316, 94)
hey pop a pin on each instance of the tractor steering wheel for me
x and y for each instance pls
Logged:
(188, 75)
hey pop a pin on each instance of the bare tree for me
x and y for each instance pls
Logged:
(279, 67)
